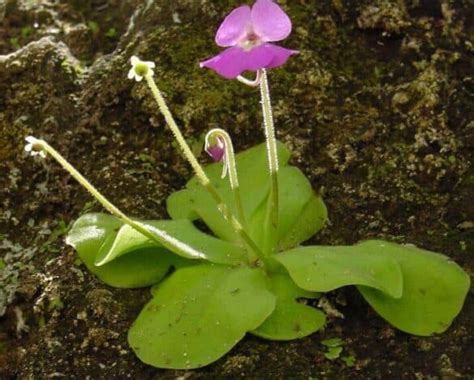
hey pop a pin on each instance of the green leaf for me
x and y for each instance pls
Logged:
(302, 213)
(349, 360)
(434, 289)
(332, 342)
(324, 268)
(333, 353)
(198, 314)
(194, 202)
(334, 348)
(140, 268)
(179, 236)
(310, 220)
(290, 319)
(302, 217)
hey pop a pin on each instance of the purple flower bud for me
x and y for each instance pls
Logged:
(246, 33)
(215, 147)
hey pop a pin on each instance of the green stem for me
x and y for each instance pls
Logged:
(95, 193)
(230, 168)
(227, 214)
(238, 203)
(176, 131)
(272, 222)
(251, 83)
(255, 253)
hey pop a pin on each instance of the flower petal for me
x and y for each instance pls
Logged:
(280, 55)
(269, 21)
(233, 26)
(216, 153)
(233, 61)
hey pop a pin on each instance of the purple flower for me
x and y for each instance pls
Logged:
(247, 33)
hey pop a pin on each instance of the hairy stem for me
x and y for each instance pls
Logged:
(230, 167)
(272, 224)
(95, 193)
(203, 178)
(176, 131)
(255, 253)
(251, 83)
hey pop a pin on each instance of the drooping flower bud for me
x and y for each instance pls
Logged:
(219, 146)
(215, 146)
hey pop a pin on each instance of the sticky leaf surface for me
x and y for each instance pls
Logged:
(290, 319)
(434, 289)
(179, 236)
(325, 268)
(143, 267)
(198, 314)
(302, 212)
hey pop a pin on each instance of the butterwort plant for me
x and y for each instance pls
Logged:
(251, 271)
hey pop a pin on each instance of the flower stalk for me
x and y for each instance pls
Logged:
(189, 155)
(41, 146)
(252, 83)
(255, 253)
(273, 165)
(217, 139)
